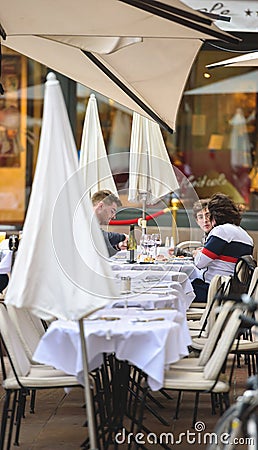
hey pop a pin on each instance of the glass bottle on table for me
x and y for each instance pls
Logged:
(131, 245)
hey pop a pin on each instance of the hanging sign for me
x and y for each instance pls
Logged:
(243, 14)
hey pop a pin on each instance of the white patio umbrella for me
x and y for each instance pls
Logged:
(139, 56)
(246, 60)
(94, 163)
(151, 175)
(58, 271)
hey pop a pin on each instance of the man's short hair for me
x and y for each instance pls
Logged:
(105, 196)
(200, 205)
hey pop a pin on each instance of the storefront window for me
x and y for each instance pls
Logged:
(217, 130)
(214, 144)
(215, 141)
(20, 123)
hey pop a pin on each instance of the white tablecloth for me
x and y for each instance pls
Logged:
(119, 262)
(152, 289)
(135, 337)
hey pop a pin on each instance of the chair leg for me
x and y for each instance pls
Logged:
(213, 403)
(8, 413)
(226, 400)
(20, 413)
(254, 364)
(179, 396)
(166, 395)
(32, 401)
(196, 403)
(4, 418)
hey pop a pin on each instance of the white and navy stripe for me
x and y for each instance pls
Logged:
(225, 244)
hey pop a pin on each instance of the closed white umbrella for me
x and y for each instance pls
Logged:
(58, 271)
(94, 163)
(151, 174)
(139, 58)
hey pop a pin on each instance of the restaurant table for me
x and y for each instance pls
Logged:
(149, 340)
(128, 350)
(176, 264)
(155, 289)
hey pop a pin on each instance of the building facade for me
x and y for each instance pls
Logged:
(214, 145)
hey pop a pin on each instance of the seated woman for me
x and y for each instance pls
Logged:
(226, 242)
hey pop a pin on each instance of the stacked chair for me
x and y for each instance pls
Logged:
(204, 374)
(21, 379)
(219, 285)
(218, 334)
(247, 343)
(244, 281)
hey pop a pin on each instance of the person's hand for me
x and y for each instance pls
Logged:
(196, 251)
(123, 244)
(171, 251)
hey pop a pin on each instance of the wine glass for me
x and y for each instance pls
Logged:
(157, 242)
(144, 244)
(150, 245)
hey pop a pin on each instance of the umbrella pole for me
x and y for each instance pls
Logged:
(87, 391)
(143, 223)
(174, 203)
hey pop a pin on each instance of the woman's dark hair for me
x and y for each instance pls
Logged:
(223, 210)
(200, 205)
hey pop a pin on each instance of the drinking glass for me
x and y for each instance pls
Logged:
(157, 242)
(150, 245)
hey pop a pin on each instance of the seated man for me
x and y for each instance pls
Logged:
(105, 206)
(202, 217)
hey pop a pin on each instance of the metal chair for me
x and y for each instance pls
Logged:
(21, 379)
(208, 379)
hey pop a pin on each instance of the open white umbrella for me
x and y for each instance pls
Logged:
(94, 163)
(140, 55)
(58, 271)
(151, 175)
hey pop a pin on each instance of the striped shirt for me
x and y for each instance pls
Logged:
(225, 244)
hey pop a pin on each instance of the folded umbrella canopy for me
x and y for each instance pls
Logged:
(246, 60)
(138, 53)
(94, 163)
(151, 174)
(246, 82)
(59, 271)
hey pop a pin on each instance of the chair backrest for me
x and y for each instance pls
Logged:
(253, 292)
(29, 328)
(216, 362)
(215, 333)
(217, 285)
(253, 288)
(13, 344)
(243, 273)
(189, 245)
